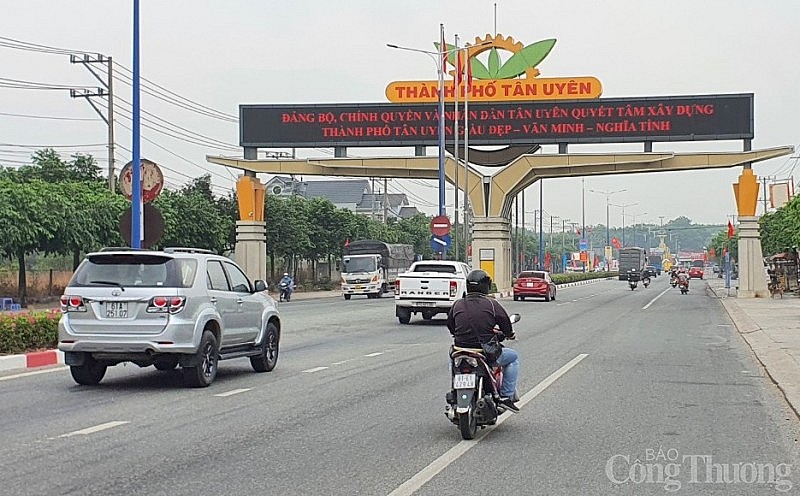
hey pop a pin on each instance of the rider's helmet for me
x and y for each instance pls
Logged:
(478, 281)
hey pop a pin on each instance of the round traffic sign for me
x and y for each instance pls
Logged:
(152, 180)
(440, 225)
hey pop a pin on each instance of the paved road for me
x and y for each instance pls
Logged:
(355, 406)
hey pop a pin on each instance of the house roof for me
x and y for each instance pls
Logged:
(393, 199)
(338, 192)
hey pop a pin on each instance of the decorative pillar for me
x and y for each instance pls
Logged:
(752, 279)
(251, 246)
(491, 249)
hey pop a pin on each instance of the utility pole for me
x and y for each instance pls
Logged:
(522, 247)
(109, 93)
(764, 181)
(386, 201)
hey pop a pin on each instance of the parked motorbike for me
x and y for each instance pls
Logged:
(474, 398)
(285, 293)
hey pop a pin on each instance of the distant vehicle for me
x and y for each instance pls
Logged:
(632, 258)
(651, 270)
(534, 283)
(695, 272)
(655, 260)
(177, 307)
(371, 267)
(575, 266)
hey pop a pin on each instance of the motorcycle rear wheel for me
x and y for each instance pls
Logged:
(467, 423)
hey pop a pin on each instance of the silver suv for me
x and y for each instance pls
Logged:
(179, 306)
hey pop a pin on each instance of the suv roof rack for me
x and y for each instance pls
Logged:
(178, 249)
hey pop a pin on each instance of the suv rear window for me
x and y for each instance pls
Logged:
(135, 270)
(449, 269)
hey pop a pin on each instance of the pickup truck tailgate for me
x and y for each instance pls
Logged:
(427, 286)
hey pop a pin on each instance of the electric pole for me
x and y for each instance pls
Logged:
(386, 201)
(87, 59)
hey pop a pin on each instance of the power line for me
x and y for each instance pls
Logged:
(29, 116)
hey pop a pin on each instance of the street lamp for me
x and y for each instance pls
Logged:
(608, 222)
(623, 207)
(634, 225)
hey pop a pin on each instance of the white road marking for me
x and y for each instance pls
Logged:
(315, 369)
(35, 372)
(343, 361)
(96, 428)
(232, 392)
(374, 354)
(654, 299)
(423, 476)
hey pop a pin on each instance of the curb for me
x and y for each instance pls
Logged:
(31, 360)
(769, 353)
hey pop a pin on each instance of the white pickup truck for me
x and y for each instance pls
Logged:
(429, 287)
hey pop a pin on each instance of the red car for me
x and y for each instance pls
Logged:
(695, 272)
(534, 283)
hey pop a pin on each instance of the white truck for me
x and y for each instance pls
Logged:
(371, 267)
(429, 287)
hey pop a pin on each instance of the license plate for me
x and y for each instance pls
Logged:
(359, 286)
(529, 284)
(116, 309)
(463, 381)
(425, 304)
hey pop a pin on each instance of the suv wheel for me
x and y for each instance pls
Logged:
(90, 373)
(204, 373)
(268, 358)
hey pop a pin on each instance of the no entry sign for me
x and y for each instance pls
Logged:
(440, 225)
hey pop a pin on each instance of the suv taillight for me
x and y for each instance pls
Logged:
(72, 304)
(166, 304)
(397, 287)
(453, 288)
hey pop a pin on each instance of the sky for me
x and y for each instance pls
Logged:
(202, 58)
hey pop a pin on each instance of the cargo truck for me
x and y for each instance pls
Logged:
(371, 267)
(631, 258)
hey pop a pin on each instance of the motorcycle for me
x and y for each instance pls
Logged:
(646, 281)
(684, 285)
(673, 280)
(285, 291)
(633, 279)
(474, 398)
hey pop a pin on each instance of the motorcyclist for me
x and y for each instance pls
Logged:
(683, 278)
(287, 279)
(477, 318)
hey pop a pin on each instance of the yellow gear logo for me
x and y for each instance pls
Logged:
(523, 60)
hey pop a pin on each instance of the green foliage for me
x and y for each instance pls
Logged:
(27, 331)
(780, 229)
(580, 276)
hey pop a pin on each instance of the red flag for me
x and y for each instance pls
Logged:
(469, 73)
(347, 242)
(547, 260)
(459, 76)
(616, 243)
(730, 230)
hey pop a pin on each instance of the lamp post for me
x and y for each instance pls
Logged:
(634, 225)
(608, 222)
(623, 207)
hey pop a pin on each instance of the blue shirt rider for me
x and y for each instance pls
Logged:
(288, 280)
